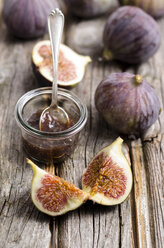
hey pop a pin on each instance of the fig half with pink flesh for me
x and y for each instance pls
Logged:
(71, 67)
(108, 177)
(53, 195)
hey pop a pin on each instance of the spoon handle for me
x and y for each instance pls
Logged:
(55, 27)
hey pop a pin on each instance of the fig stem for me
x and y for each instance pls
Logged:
(107, 55)
(139, 79)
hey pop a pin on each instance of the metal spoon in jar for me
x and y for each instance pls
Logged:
(54, 118)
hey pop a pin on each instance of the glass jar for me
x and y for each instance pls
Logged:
(43, 146)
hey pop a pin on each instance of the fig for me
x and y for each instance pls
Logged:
(88, 8)
(152, 7)
(71, 65)
(127, 102)
(131, 35)
(108, 177)
(27, 19)
(53, 195)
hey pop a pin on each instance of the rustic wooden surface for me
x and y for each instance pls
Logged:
(138, 222)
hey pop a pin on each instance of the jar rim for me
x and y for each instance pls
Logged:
(23, 100)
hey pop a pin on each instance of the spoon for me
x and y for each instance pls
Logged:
(54, 118)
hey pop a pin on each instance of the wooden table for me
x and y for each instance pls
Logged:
(138, 222)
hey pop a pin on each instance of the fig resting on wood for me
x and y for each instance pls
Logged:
(108, 177)
(71, 66)
(127, 102)
(107, 181)
(89, 8)
(27, 19)
(152, 7)
(131, 35)
(53, 195)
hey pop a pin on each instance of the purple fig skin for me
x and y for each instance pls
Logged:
(131, 35)
(129, 105)
(88, 8)
(154, 8)
(27, 19)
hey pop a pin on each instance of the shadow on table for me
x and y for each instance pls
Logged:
(23, 208)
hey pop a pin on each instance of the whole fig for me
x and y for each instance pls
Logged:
(153, 7)
(131, 35)
(88, 8)
(27, 19)
(127, 102)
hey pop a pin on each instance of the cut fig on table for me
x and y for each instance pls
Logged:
(53, 195)
(71, 66)
(108, 177)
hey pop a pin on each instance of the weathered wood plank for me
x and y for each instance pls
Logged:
(147, 165)
(141, 197)
(154, 160)
(21, 225)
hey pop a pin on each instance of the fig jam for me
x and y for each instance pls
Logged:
(49, 123)
(49, 149)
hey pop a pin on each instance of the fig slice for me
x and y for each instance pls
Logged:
(71, 66)
(108, 177)
(53, 195)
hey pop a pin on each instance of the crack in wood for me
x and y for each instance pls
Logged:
(80, 229)
(120, 227)
(98, 238)
(93, 231)
(3, 206)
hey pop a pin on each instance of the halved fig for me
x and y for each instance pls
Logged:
(53, 195)
(71, 67)
(108, 178)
